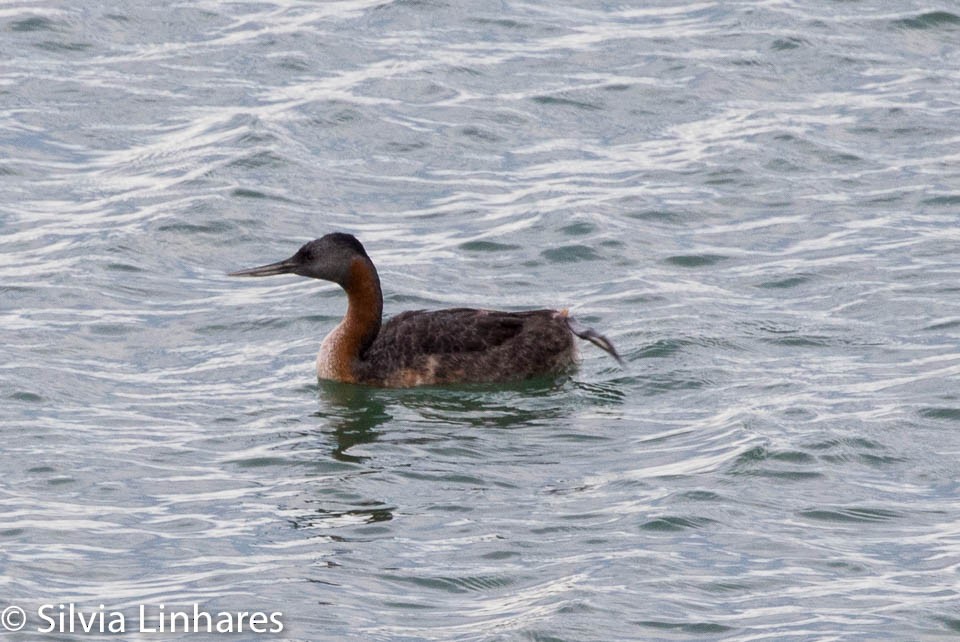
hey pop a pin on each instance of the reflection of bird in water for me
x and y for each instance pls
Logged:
(354, 413)
(421, 347)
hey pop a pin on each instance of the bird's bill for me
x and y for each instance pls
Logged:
(281, 267)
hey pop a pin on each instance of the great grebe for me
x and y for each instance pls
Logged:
(423, 347)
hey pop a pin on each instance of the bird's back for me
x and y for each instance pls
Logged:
(466, 345)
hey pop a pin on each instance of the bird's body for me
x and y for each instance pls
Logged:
(453, 346)
(421, 347)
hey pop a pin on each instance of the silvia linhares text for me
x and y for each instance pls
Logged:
(72, 618)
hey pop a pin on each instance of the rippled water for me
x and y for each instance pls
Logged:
(757, 202)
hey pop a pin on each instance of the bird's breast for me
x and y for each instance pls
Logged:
(333, 359)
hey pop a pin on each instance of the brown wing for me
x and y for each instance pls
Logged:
(466, 345)
(452, 331)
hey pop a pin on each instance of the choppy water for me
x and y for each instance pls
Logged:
(758, 202)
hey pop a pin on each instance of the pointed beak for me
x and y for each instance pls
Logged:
(281, 267)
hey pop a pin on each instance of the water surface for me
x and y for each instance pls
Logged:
(756, 202)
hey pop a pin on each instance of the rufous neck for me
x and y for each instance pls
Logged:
(364, 305)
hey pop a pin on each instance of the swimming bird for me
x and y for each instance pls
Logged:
(426, 347)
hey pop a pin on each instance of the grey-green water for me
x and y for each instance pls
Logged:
(758, 202)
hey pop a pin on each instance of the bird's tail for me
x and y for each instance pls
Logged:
(594, 337)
